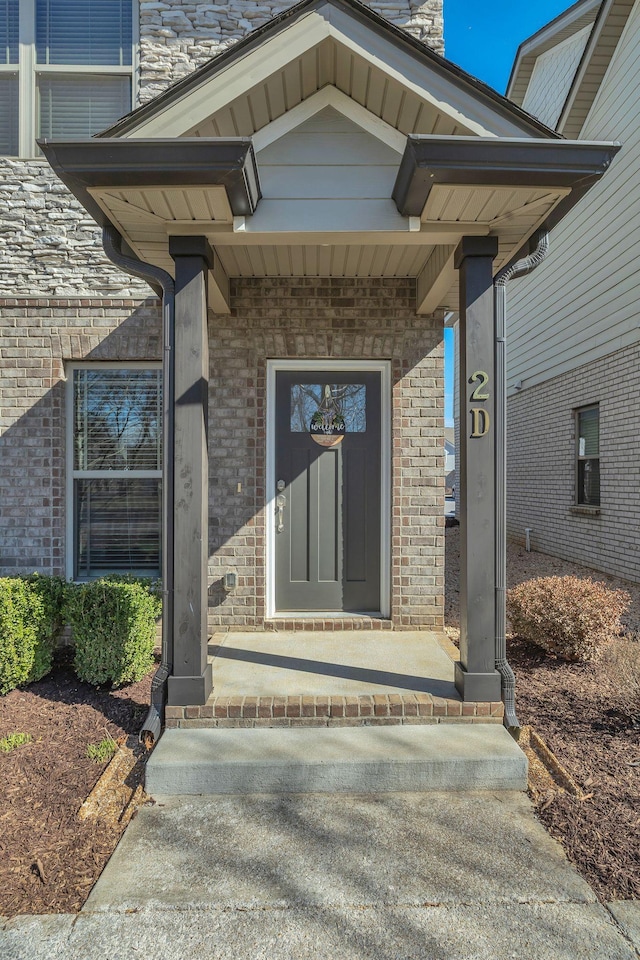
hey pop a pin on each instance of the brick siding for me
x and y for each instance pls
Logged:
(304, 318)
(542, 473)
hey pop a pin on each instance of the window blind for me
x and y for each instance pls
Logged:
(117, 420)
(118, 527)
(589, 433)
(9, 115)
(98, 32)
(73, 107)
(9, 10)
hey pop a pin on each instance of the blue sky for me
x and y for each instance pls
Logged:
(482, 38)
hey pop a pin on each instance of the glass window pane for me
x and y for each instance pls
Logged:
(75, 107)
(118, 527)
(349, 400)
(589, 433)
(117, 419)
(96, 32)
(9, 31)
(9, 115)
(589, 482)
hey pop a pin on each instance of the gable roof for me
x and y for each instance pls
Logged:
(349, 25)
(608, 19)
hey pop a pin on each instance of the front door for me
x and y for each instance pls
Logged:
(328, 483)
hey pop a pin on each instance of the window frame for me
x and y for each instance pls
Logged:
(28, 72)
(578, 503)
(72, 474)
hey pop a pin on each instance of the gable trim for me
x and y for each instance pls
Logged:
(413, 50)
(329, 97)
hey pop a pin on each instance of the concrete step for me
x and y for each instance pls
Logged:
(336, 760)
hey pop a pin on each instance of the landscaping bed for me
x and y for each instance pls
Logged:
(49, 858)
(574, 708)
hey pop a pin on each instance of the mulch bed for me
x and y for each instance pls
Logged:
(49, 859)
(570, 706)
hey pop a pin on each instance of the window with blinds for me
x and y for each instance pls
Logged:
(9, 33)
(82, 32)
(117, 462)
(73, 107)
(78, 60)
(588, 456)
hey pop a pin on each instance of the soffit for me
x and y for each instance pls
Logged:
(332, 65)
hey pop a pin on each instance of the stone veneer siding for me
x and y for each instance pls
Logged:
(273, 318)
(176, 37)
(49, 246)
(542, 472)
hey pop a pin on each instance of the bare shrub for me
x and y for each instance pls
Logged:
(570, 617)
(622, 665)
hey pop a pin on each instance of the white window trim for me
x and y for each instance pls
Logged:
(27, 71)
(383, 367)
(70, 473)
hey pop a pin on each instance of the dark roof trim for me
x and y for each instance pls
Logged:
(412, 47)
(497, 162)
(229, 163)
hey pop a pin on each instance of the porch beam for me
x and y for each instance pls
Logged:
(430, 233)
(191, 681)
(476, 677)
(218, 292)
(435, 279)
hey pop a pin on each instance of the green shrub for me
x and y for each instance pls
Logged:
(113, 622)
(52, 593)
(26, 651)
(569, 617)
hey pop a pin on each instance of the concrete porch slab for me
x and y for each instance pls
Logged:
(344, 664)
(336, 760)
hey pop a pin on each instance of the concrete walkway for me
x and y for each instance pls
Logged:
(407, 875)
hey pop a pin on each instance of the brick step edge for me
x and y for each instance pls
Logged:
(327, 711)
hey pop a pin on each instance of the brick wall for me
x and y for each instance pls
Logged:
(36, 337)
(307, 318)
(541, 466)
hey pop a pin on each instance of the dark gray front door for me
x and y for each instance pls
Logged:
(328, 522)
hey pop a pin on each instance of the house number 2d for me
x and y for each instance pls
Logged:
(480, 420)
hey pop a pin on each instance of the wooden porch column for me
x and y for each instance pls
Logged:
(476, 676)
(191, 679)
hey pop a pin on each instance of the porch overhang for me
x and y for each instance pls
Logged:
(446, 188)
(84, 165)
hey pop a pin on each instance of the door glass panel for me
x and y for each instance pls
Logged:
(348, 399)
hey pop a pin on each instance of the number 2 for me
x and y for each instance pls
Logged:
(484, 380)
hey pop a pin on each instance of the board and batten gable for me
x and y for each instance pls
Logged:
(552, 76)
(580, 305)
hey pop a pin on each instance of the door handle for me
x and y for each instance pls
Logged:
(281, 502)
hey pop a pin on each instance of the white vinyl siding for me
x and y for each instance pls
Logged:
(581, 304)
(327, 174)
(66, 69)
